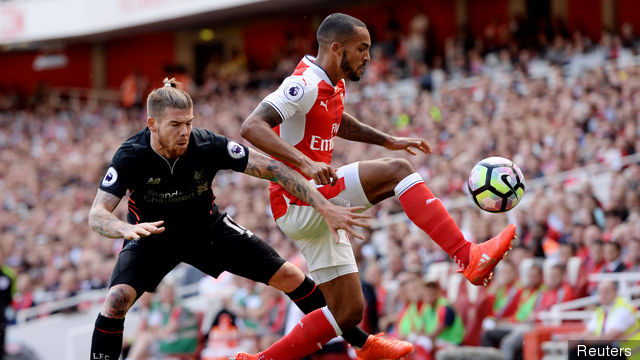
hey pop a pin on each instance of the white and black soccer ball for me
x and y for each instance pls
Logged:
(496, 184)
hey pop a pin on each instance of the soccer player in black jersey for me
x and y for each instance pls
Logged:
(168, 168)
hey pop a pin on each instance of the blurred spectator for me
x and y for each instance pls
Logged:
(613, 258)
(170, 329)
(269, 313)
(410, 323)
(224, 338)
(632, 258)
(614, 320)
(557, 290)
(369, 322)
(565, 252)
(428, 320)
(505, 290)
(7, 288)
(442, 325)
(23, 298)
(507, 335)
(593, 262)
(133, 90)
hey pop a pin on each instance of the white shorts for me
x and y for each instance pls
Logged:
(326, 259)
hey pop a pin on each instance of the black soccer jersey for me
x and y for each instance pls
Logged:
(179, 191)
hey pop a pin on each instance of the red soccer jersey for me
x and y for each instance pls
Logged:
(311, 108)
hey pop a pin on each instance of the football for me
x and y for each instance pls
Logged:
(496, 184)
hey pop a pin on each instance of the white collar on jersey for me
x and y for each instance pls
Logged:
(310, 60)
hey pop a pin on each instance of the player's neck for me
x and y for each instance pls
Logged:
(160, 150)
(330, 66)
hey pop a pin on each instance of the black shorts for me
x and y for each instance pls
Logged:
(213, 248)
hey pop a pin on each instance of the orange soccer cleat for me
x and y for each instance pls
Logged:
(244, 356)
(378, 347)
(484, 257)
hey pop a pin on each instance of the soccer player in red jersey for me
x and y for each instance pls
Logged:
(296, 124)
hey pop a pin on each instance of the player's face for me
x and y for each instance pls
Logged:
(355, 54)
(606, 293)
(173, 131)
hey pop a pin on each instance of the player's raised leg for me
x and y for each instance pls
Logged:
(387, 177)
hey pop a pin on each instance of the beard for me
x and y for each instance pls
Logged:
(172, 150)
(347, 68)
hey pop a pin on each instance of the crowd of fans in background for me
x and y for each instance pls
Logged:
(562, 102)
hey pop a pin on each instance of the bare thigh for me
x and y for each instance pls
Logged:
(379, 177)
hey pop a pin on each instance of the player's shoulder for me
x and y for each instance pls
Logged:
(202, 138)
(295, 87)
(133, 146)
(205, 139)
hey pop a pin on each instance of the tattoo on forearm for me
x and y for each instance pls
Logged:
(101, 219)
(260, 166)
(106, 224)
(352, 129)
(296, 184)
(265, 168)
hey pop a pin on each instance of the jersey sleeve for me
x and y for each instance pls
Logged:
(229, 155)
(115, 179)
(295, 95)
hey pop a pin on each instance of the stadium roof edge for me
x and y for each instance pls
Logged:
(28, 23)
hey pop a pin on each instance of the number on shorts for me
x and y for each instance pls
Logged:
(227, 220)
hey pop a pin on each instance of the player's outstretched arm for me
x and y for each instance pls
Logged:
(352, 129)
(257, 129)
(102, 220)
(337, 217)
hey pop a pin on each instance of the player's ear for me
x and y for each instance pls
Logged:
(151, 124)
(336, 48)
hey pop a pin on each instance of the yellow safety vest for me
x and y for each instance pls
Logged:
(631, 338)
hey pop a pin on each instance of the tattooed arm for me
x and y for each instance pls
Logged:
(337, 217)
(102, 220)
(352, 129)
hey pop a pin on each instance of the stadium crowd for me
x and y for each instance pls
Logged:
(561, 103)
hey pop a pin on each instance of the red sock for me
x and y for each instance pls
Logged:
(428, 213)
(308, 336)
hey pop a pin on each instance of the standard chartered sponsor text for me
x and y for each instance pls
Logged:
(173, 197)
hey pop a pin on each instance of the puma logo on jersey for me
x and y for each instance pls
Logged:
(324, 103)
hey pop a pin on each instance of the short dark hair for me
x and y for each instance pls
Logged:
(614, 244)
(559, 267)
(537, 267)
(337, 27)
(432, 285)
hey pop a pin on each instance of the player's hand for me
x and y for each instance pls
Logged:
(141, 230)
(408, 144)
(320, 172)
(345, 218)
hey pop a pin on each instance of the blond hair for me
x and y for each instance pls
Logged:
(170, 95)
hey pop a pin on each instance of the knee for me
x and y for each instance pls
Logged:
(287, 278)
(119, 299)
